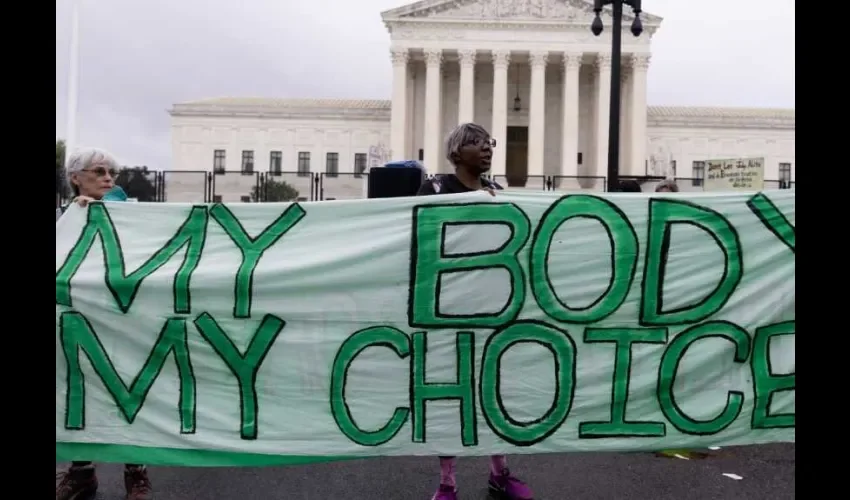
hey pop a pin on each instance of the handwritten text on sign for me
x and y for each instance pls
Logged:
(741, 174)
(454, 324)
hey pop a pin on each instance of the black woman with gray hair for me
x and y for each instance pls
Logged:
(90, 174)
(469, 148)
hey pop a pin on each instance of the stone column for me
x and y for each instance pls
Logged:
(466, 99)
(433, 104)
(499, 128)
(603, 106)
(398, 120)
(640, 64)
(569, 129)
(537, 114)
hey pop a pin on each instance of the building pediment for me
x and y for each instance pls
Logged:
(559, 11)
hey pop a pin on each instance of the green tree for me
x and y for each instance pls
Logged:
(136, 182)
(60, 154)
(60, 166)
(274, 191)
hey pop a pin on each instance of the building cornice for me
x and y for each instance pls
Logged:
(423, 9)
(259, 111)
(717, 117)
(721, 122)
(379, 110)
(395, 25)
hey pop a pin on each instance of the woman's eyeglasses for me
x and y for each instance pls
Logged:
(102, 171)
(481, 142)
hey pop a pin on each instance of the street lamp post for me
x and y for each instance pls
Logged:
(616, 56)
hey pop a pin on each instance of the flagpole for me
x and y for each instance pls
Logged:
(73, 81)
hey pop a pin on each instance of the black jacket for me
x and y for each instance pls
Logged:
(450, 184)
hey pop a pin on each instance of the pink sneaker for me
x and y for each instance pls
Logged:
(507, 487)
(445, 492)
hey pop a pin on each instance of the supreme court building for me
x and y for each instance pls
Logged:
(530, 71)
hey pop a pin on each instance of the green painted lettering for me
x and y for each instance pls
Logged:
(563, 349)
(463, 390)
(669, 369)
(617, 425)
(773, 220)
(243, 366)
(252, 249)
(766, 382)
(430, 263)
(624, 255)
(77, 335)
(124, 287)
(377, 336)
(663, 214)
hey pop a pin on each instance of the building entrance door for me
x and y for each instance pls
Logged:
(516, 156)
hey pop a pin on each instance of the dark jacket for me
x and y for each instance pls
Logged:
(450, 184)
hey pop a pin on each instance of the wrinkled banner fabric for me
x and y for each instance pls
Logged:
(253, 334)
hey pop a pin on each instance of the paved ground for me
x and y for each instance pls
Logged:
(767, 473)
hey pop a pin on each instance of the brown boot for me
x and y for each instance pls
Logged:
(79, 483)
(137, 483)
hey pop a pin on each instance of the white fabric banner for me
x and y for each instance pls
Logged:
(445, 325)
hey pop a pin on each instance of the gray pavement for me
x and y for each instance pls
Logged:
(767, 473)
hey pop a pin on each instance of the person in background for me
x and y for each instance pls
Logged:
(60, 187)
(630, 186)
(91, 174)
(667, 186)
(469, 148)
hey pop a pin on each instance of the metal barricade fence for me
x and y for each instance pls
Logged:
(143, 184)
(689, 184)
(576, 183)
(647, 183)
(198, 186)
(343, 186)
(530, 183)
(193, 186)
(290, 186)
(233, 186)
(695, 184)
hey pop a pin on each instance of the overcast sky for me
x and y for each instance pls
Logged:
(138, 57)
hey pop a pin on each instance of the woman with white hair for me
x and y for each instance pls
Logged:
(469, 149)
(90, 174)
